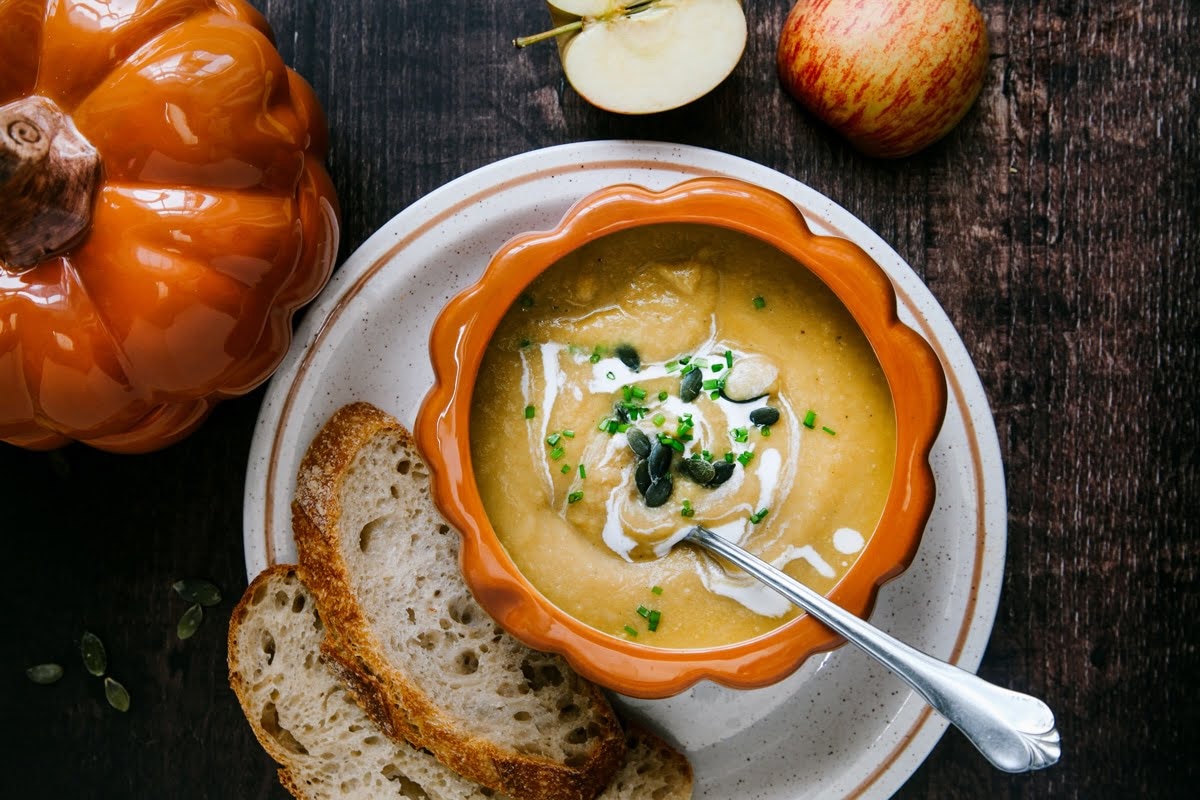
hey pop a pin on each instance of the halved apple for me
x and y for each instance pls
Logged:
(645, 56)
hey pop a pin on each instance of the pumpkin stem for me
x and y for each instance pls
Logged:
(48, 172)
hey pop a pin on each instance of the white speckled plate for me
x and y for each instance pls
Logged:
(841, 726)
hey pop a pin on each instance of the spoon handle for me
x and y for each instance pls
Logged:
(1013, 731)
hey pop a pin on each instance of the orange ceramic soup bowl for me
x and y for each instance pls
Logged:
(539, 540)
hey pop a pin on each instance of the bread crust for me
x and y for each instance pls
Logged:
(391, 698)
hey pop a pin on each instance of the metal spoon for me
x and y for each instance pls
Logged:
(1013, 731)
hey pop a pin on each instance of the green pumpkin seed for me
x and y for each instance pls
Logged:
(660, 460)
(764, 416)
(190, 622)
(659, 492)
(45, 674)
(629, 356)
(639, 442)
(722, 471)
(195, 590)
(690, 385)
(698, 470)
(116, 695)
(95, 660)
(641, 476)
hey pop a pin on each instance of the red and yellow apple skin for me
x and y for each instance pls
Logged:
(892, 76)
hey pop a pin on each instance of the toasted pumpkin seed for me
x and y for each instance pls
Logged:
(722, 471)
(659, 492)
(95, 660)
(764, 416)
(702, 472)
(690, 384)
(44, 674)
(116, 694)
(189, 623)
(660, 460)
(641, 476)
(629, 356)
(639, 442)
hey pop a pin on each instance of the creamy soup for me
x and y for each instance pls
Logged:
(669, 376)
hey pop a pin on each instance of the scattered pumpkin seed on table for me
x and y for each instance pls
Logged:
(190, 622)
(116, 694)
(195, 590)
(95, 660)
(44, 674)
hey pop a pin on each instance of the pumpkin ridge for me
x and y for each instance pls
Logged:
(99, 77)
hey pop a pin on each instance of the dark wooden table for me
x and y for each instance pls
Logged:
(1057, 226)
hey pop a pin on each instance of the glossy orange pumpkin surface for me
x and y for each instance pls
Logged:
(195, 156)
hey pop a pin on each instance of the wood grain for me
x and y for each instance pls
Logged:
(1057, 225)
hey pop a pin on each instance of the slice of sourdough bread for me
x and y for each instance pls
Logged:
(416, 649)
(330, 748)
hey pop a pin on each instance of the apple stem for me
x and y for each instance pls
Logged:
(626, 11)
(525, 41)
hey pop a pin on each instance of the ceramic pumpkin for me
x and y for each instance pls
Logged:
(163, 213)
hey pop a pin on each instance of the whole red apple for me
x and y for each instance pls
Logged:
(892, 76)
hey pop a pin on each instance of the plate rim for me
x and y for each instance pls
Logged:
(963, 380)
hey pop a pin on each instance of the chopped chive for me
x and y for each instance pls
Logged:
(639, 393)
(529, 412)
(728, 457)
(707, 456)
(612, 426)
(685, 359)
(765, 430)
(622, 427)
(603, 426)
(653, 619)
(671, 442)
(710, 384)
(759, 302)
(658, 420)
(740, 434)
(662, 396)
(714, 395)
(700, 362)
(758, 516)
(656, 589)
(745, 458)
(687, 510)
(718, 367)
(830, 431)
(643, 612)
(810, 419)
(729, 358)
(557, 453)
(565, 469)
(574, 497)
(629, 629)
(582, 471)
(569, 434)
(594, 358)
(610, 376)
(627, 393)
(553, 439)
(672, 366)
